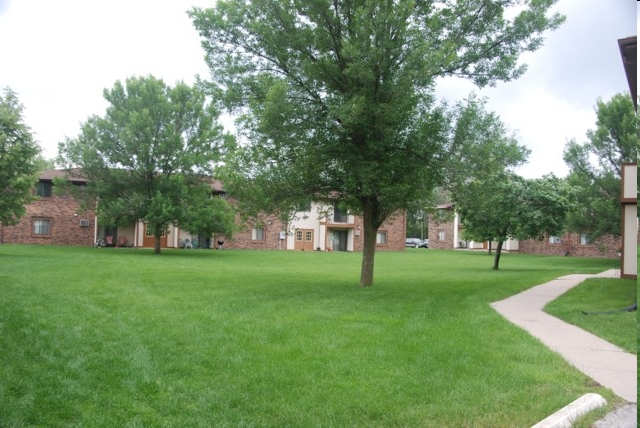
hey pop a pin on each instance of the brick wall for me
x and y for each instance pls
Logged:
(435, 229)
(64, 219)
(396, 229)
(607, 246)
(244, 240)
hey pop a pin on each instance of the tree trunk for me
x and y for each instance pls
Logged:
(496, 260)
(369, 248)
(156, 244)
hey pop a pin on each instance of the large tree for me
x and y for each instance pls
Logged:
(595, 167)
(505, 205)
(337, 96)
(149, 155)
(480, 145)
(19, 165)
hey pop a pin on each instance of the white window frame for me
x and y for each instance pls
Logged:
(585, 239)
(257, 234)
(38, 226)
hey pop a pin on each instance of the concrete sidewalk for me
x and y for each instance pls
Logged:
(602, 361)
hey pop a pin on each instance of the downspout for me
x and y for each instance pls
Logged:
(95, 230)
(455, 230)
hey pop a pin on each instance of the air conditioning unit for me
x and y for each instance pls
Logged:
(84, 223)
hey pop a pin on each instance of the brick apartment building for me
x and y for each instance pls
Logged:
(446, 231)
(52, 219)
(55, 219)
(322, 227)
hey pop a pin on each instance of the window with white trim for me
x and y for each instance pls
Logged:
(585, 239)
(41, 226)
(381, 237)
(555, 240)
(257, 234)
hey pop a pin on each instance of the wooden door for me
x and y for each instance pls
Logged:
(304, 239)
(147, 241)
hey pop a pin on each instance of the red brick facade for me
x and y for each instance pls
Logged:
(570, 244)
(247, 239)
(442, 233)
(442, 228)
(272, 228)
(53, 220)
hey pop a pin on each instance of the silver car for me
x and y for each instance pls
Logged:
(416, 243)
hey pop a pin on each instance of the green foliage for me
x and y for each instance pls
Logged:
(154, 145)
(595, 167)
(205, 215)
(106, 338)
(480, 145)
(19, 165)
(337, 97)
(506, 206)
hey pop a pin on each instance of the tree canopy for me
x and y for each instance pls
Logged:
(19, 160)
(595, 167)
(480, 145)
(150, 157)
(505, 205)
(337, 97)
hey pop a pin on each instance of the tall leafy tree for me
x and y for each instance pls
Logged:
(19, 166)
(595, 166)
(337, 96)
(205, 215)
(146, 157)
(479, 145)
(505, 205)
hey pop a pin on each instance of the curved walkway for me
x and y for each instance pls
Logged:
(602, 361)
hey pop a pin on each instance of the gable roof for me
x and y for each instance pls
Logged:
(50, 174)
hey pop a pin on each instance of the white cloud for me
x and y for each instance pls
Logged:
(60, 55)
(65, 53)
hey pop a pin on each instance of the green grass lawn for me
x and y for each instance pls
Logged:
(595, 296)
(122, 337)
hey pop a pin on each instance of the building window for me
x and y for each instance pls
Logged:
(339, 216)
(42, 226)
(298, 235)
(555, 240)
(585, 239)
(257, 234)
(43, 189)
(441, 235)
(381, 238)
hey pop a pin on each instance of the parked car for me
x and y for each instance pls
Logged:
(416, 243)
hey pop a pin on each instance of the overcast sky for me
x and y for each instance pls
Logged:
(60, 55)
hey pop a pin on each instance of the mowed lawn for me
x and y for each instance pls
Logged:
(597, 306)
(123, 337)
